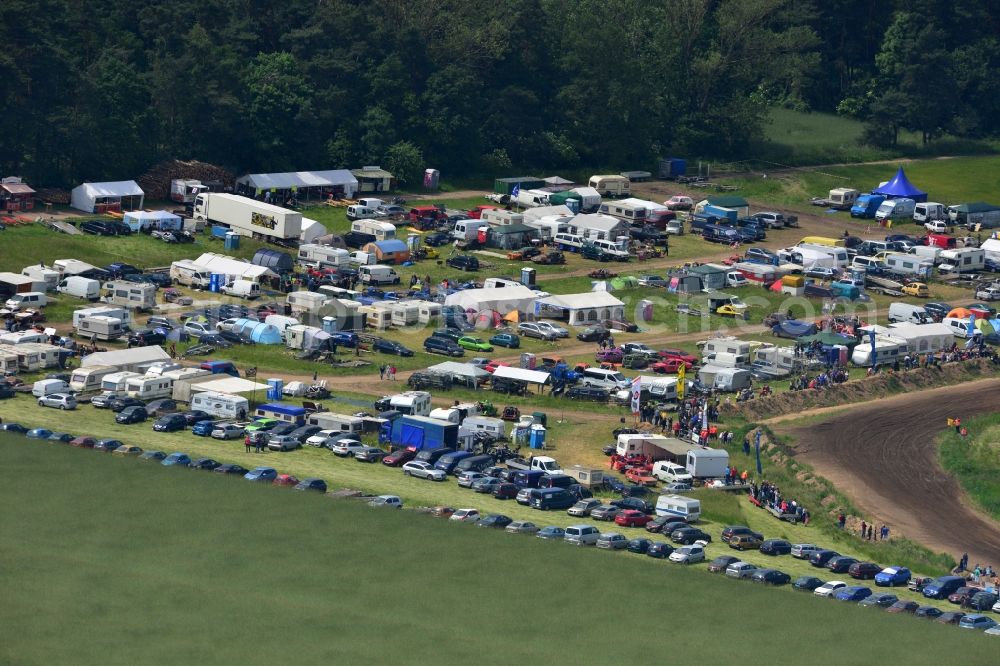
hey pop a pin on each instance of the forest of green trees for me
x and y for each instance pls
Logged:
(101, 90)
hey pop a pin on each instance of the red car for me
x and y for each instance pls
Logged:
(642, 477)
(864, 570)
(678, 353)
(285, 480)
(506, 491)
(492, 366)
(632, 518)
(477, 212)
(669, 366)
(399, 457)
(83, 442)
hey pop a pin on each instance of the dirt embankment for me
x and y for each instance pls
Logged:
(860, 390)
(883, 454)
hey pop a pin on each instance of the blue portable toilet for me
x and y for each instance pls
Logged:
(215, 282)
(274, 388)
(232, 241)
(330, 324)
(537, 436)
(219, 231)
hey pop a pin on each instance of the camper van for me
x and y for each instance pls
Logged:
(135, 295)
(90, 378)
(319, 256)
(80, 287)
(611, 186)
(221, 405)
(242, 289)
(677, 505)
(531, 198)
(378, 274)
(904, 312)
(962, 260)
(411, 403)
(617, 250)
(188, 273)
(342, 423)
(149, 388)
(896, 209)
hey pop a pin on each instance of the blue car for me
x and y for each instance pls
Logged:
(344, 339)
(61, 437)
(892, 576)
(153, 455)
(267, 474)
(853, 593)
(38, 433)
(509, 340)
(204, 428)
(13, 427)
(977, 621)
(551, 532)
(181, 459)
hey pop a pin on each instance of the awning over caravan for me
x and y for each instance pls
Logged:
(229, 385)
(522, 375)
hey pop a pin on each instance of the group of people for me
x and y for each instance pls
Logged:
(387, 371)
(979, 574)
(834, 375)
(768, 496)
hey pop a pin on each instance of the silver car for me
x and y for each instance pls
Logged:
(554, 329)
(346, 447)
(740, 570)
(228, 431)
(612, 541)
(283, 443)
(583, 508)
(58, 400)
(533, 330)
(423, 470)
(804, 551)
(522, 527)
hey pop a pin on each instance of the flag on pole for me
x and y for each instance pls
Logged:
(760, 468)
(517, 190)
(681, 373)
(636, 395)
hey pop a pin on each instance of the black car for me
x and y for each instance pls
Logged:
(146, 337)
(928, 612)
(216, 340)
(776, 547)
(161, 406)
(437, 239)
(204, 463)
(97, 228)
(593, 334)
(437, 345)
(231, 468)
(647, 233)
(107, 445)
(588, 393)
(739, 530)
(118, 268)
(982, 600)
(665, 524)
(464, 262)
(131, 414)
(579, 491)
(13, 427)
(118, 404)
(807, 583)
(688, 535)
(302, 433)
(840, 563)
(282, 429)
(659, 550)
(391, 347)
(319, 485)
(937, 310)
(770, 577)
(633, 503)
(195, 415)
(719, 564)
(821, 557)
(6, 392)
(495, 520)
(166, 323)
(639, 545)
(169, 423)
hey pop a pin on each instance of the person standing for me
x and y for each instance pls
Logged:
(246, 440)
(392, 372)
(864, 529)
(381, 372)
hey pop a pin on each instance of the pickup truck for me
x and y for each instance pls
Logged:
(543, 463)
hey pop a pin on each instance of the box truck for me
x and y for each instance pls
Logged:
(420, 432)
(248, 217)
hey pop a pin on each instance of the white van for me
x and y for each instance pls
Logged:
(867, 263)
(29, 299)
(928, 211)
(44, 387)
(582, 535)
(358, 212)
(608, 379)
(959, 327)
(913, 314)
(676, 505)
(80, 287)
(669, 472)
(466, 230)
(242, 289)
(616, 249)
(188, 273)
(569, 242)
(378, 274)
(896, 209)
(532, 198)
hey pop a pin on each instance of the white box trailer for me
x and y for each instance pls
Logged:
(90, 378)
(248, 217)
(99, 327)
(222, 405)
(707, 463)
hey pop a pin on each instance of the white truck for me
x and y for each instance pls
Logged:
(80, 287)
(669, 472)
(242, 289)
(190, 274)
(378, 274)
(248, 217)
(545, 464)
(186, 190)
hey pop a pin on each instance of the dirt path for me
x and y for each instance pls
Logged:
(883, 455)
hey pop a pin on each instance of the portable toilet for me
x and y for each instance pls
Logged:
(215, 282)
(536, 438)
(540, 417)
(646, 310)
(232, 241)
(528, 276)
(330, 324)
(413, 242)
(527, 361)
(274, 388)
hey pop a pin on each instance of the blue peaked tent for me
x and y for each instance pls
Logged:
(900, 187)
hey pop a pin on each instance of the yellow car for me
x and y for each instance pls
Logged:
(731, 311)
(917, 289)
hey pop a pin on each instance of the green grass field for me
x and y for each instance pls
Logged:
(975, 460)
(116, 561)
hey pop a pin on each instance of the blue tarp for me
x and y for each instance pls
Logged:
(259, 332)
(900, 187)
(793, 328)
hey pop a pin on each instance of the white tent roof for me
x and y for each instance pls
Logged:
(220, 263)
(229, 385)
(649, 205)
(500, 299)
(532, 214)
(597, 221)
(530, 376)
(284, 181)
(991, 246)
(311, 230)
(557, 180)
(590, 299)
(119, 357)
(458, 369)
(121, 188)
(151, 215)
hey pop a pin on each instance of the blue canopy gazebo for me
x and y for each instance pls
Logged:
(900, 187)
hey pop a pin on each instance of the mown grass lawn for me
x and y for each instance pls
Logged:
(115, 561)
(975, 460)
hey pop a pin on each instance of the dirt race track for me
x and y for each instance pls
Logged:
(882, 454)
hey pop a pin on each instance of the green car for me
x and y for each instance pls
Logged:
(262, 425)
(474, 344)
(509, 340)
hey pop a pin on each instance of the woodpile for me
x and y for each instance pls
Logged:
(52, 195)
(156, 182)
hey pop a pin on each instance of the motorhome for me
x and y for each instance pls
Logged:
(90, 378)
(186, 272)
(962, 260)
(320, 256)
(411, 403)
(611, 186)
(149, 388)
(342, 423)
(221, 405)
(135, 295)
